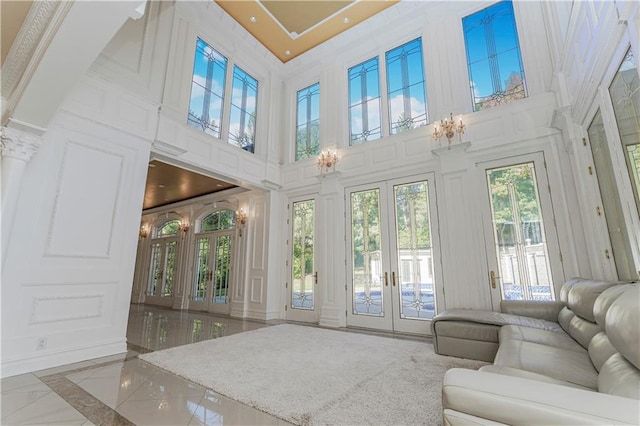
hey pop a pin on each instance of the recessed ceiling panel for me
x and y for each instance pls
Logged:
(289, 28)
(299, 16)
(168, 184)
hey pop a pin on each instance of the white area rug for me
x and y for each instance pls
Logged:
(308, 375)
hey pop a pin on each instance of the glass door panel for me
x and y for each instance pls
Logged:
(519, 235)
(367, 291)
(414, 251)
(523, 253)
(222, 269)
(303, 277)
(213, 272)
(303, 296)
(162, 271)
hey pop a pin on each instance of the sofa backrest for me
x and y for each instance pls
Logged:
(600, 348)
(577, 317)
(620, 374)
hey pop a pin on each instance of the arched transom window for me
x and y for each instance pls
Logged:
(168, 229)
(218, 221)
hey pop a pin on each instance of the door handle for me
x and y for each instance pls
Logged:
(493, 279)
(393, 278)
(386, 279)
(315, 277)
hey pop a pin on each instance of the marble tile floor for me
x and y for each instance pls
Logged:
(123, 390)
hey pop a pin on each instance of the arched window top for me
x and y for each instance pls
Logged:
(218, 221)
(168, 229)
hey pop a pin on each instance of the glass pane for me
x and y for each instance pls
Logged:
(218, 221)
(207, 89)
(222, 266)
(366, 254)
(364, 102)
(242, 128)
(302, 287)
(155, 271)
(405, 83)
(519, 233)
(170, 269)
(625, 97)
(415, 261)
(494, 60)
(308, 122)
(199, 291)
(169, 228)
(611, 203)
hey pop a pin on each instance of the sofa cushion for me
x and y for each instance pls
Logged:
(536, 335)
(583, 295)
(600, 350)
(510, 371)
(582, 330)
(564, 290)
(561, 364)
(604, 301)
(493, 318)
(619, 377)
(622, 325)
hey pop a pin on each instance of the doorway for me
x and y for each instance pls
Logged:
(523, 253)
(393, 250)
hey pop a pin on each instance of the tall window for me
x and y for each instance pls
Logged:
(207, 89)
(625, 97)
(496, 74)
(364, 102)
(308, 122)
(242, 129)
(406, 88)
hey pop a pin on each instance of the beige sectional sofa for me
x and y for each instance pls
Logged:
(576, 361)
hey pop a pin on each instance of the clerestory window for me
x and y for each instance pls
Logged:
(494, 61)
(242, 129)
(364, 102)
(207, 105)
(207, 89)
(406, 94)
(308, 122)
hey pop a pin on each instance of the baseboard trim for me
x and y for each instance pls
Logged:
(28, 364)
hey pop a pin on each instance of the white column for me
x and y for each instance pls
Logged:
(17, 148)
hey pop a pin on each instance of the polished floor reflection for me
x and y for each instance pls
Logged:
(122, 390)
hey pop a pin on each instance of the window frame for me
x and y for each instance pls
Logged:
(225, 125)
(296, 124)
(521, 51)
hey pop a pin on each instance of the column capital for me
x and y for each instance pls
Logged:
(18, 144)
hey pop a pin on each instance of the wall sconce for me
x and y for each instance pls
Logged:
(184, 226)
(327, 160)
(144, 232)
(241, 219)
(448, 128)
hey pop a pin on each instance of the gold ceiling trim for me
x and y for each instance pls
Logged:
(271, 29)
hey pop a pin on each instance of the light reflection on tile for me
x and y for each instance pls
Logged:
(125, 386)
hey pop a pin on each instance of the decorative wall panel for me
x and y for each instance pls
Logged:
(86, 202)
(47, 309)
(257, 288)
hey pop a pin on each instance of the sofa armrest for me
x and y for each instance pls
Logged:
(515, 400)
(540, 309)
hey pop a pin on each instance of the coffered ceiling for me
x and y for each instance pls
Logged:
(289, 28)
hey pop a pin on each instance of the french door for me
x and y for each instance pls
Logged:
(162, 271)
(392, 247)
(210, 289)
(303, 303)
(523, 253)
